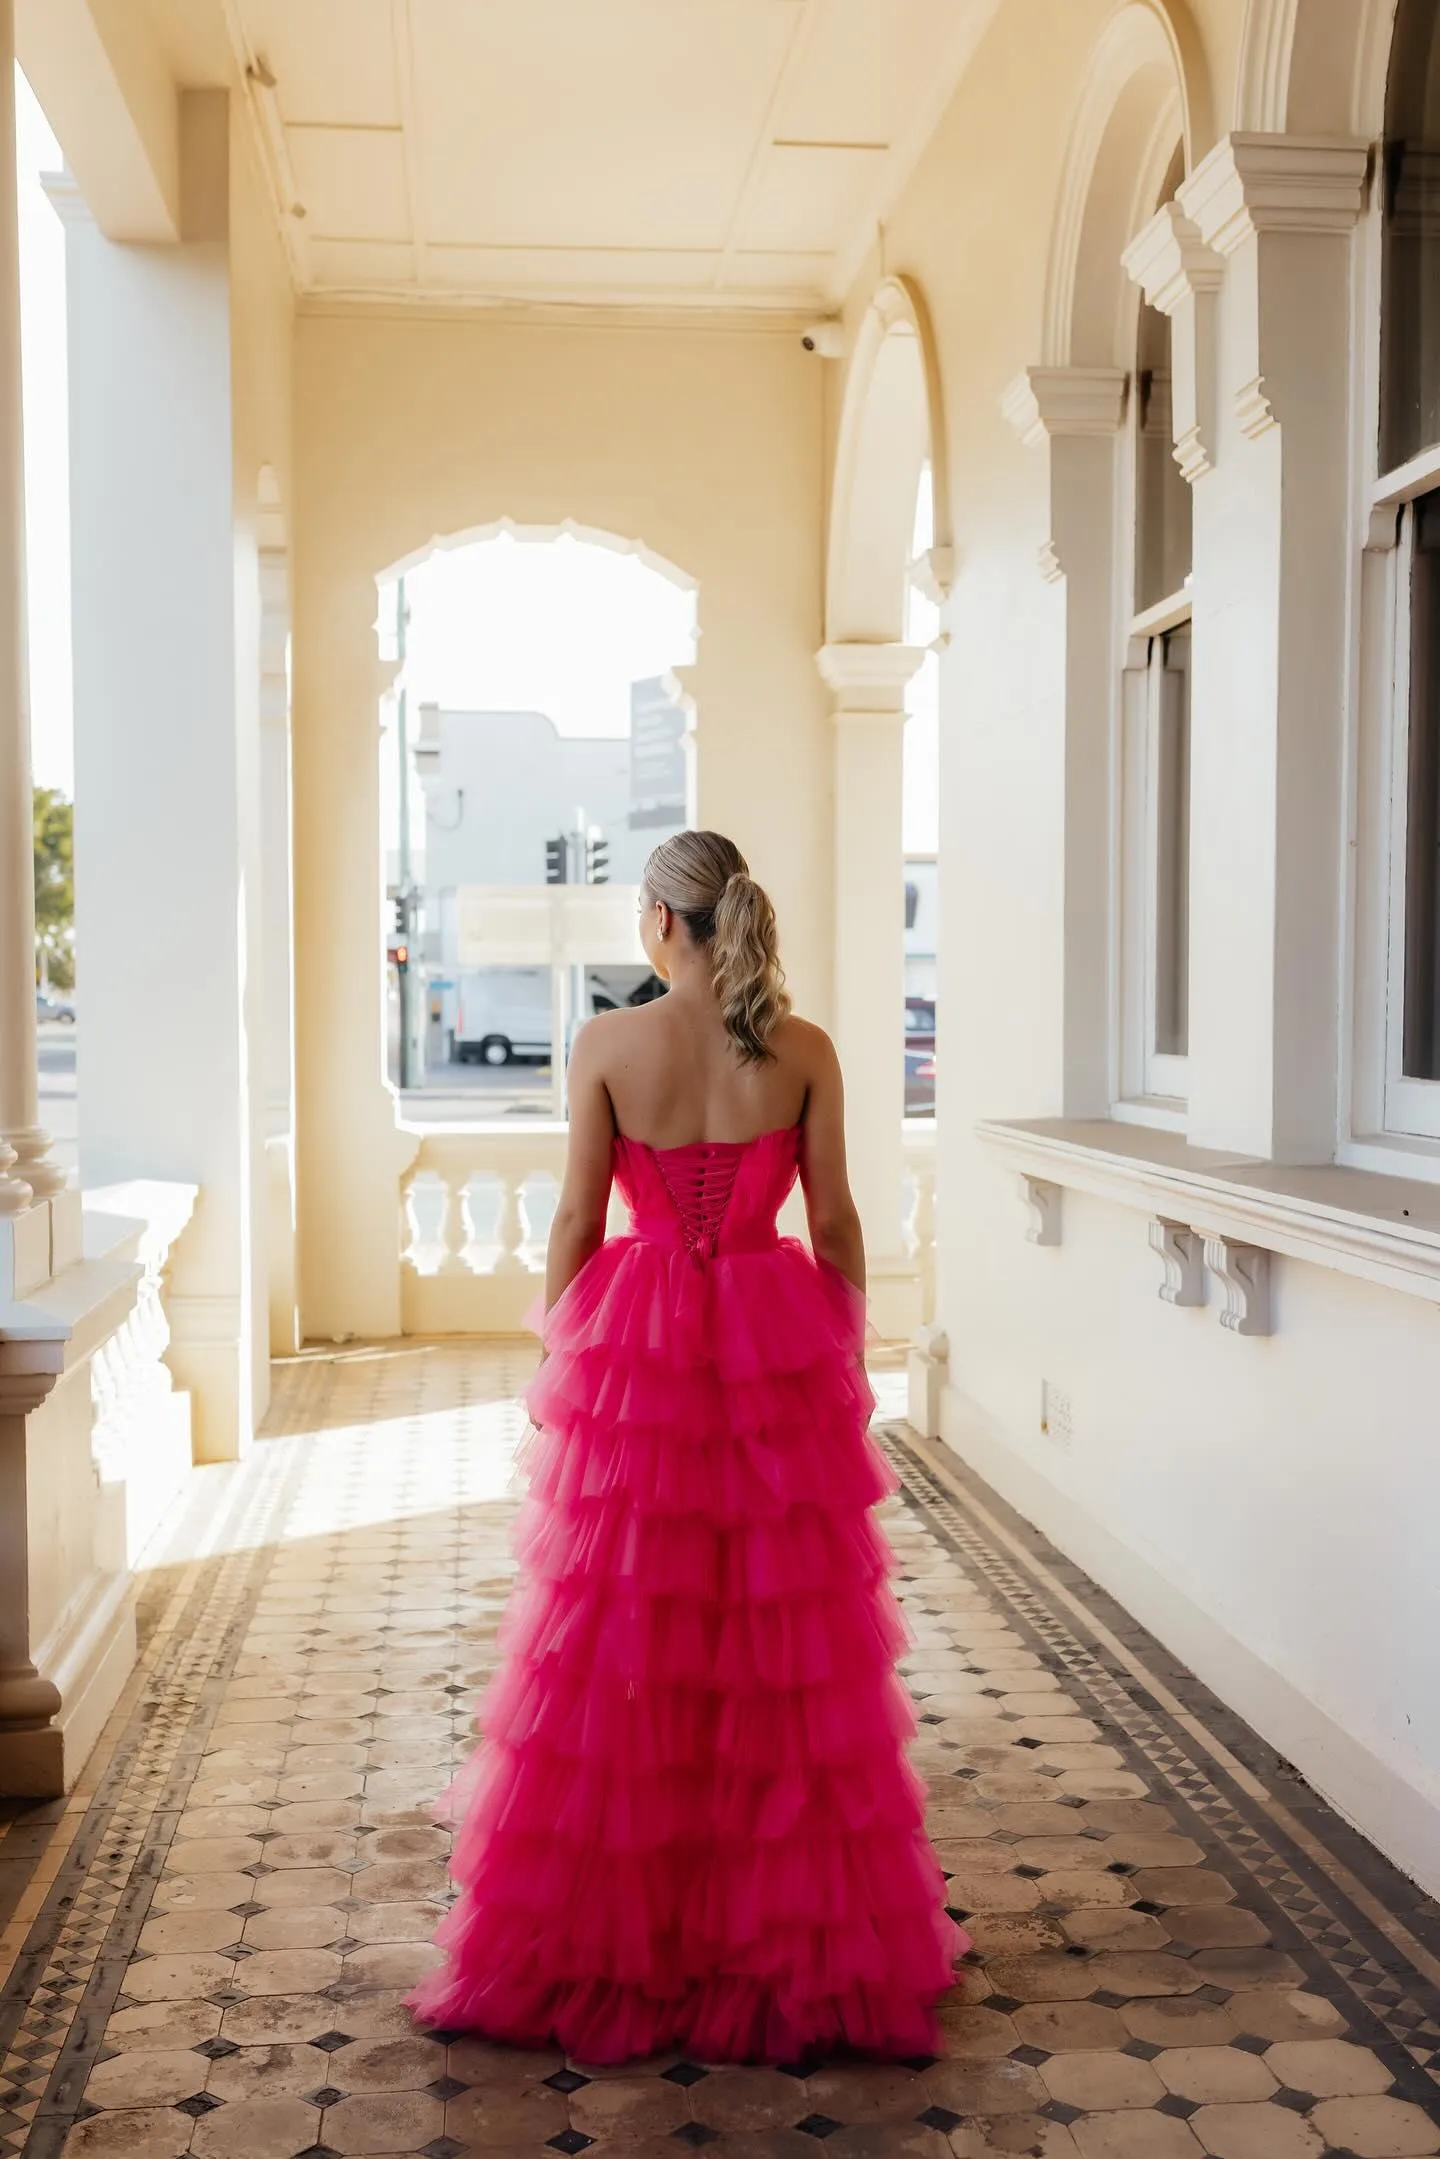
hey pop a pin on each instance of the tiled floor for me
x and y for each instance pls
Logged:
(1179, 1950)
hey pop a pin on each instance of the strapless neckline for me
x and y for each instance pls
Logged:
(712, 1146)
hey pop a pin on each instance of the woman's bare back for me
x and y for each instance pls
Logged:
(674, 1076)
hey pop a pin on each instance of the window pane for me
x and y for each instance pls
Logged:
(1171, 664)
(1162, 495)
(1410, 319)
(1422, 827)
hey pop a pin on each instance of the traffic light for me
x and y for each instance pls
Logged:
(399, 930)
(597, 860)
(556, 871)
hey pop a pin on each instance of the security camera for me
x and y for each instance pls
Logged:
(826, 338)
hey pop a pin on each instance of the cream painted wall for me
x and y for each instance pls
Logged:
(704, 444)
(1257, 1502)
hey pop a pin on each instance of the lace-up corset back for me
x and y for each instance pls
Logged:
(711, 1197)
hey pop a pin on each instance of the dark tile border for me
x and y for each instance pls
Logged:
(89, 1924)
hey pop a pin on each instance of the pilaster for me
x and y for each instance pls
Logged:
(1270, 351)
(1075, 414)
(868, 683)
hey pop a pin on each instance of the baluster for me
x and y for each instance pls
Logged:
(409, 1223)
(514, 1228)
(455, 1228)
(920, 1231)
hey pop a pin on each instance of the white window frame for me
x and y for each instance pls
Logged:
(1154, 1085)
(1411, 1106)
(1391, 1123)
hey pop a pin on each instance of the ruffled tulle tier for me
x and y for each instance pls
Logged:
(691, 1822)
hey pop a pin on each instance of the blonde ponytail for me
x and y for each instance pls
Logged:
(704, 878)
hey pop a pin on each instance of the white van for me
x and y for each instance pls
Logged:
(503, 1013)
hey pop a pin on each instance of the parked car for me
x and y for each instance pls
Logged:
(53, 1011)
(919, 1082)
(919, 1023)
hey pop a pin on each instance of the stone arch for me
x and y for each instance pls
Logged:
(615, 543)
(1145, 88)
(681, 671)
(890, 422)
(1313, 67)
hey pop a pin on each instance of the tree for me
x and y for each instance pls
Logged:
(54, 888)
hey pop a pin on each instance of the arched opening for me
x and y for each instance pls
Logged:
(887, 574)
(536, 743)
(920, 820)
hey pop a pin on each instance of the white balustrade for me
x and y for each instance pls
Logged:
(476, 1206)
(919, 1150)
(140, 1437)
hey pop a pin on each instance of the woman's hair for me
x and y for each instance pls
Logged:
(703, 878)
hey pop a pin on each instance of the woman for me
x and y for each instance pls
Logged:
(691, 1823)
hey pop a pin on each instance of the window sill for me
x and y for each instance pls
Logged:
(1158, 1113)
(1381, 1228)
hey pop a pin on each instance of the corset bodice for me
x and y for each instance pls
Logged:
(711, 1197)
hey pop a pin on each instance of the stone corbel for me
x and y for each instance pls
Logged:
(1181, 1253)
(1050, 403)
(1044, 1203)
(1256, 188)
(1181, 276)
(1243, 1271)
(933, 573)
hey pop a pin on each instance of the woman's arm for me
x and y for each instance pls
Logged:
(578, 1230)
(835, 1234)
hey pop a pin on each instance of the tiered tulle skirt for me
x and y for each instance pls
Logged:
(690, 1823)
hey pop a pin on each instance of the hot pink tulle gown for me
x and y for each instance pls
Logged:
(691, 1823)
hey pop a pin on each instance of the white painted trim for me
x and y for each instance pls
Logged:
(1380, 1229)
(1354, 1774)
(1417, 476)
(1164, 615)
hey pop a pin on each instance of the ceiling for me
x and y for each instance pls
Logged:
(722, 153)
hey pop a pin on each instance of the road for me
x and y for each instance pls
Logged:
(57, 1094)
(456, 1092)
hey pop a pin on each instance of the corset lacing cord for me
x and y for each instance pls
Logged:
(700, 1187)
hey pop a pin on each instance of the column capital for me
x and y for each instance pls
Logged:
(1065, 401)
(1252, 184)
(1170, 262)
(1181, 275)
(869, 678)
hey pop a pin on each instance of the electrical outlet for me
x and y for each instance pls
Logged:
(1057, 1417)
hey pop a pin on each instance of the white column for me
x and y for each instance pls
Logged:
(25, 1173)
(1076, 413)
(276, 972)
(869, 683)
(1270, 663)
(167, 771)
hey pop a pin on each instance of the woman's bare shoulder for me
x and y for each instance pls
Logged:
(804, 1044)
